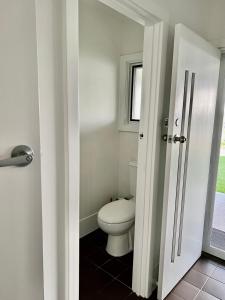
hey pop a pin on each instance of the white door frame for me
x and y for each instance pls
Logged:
(146, 247)
(155, 46)
(72, 148)
(214, 164)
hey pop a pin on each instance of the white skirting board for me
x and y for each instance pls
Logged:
(88, 224)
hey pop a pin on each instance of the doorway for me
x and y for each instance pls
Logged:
(155, 34)
(218, 225)
(111, 53)
(214, 232)
(148, 151)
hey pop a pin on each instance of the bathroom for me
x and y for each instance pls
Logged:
(110, 44)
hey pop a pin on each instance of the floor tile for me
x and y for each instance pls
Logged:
(84, 262)
(205, 296)
(98, 270)
(154, 295)
(126, 277)
(95, 239)
(99, 238)
(215, 288)
(205, 266)
(99, 256)
(85, 247)
(115, 290)
(92, 279)
(114, 267)
(127, 259)
(173, 297)
(185, 290)
(219, 274)
(196, 278)
(133, 296)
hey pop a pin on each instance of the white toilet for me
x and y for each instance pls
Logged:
(117, 219)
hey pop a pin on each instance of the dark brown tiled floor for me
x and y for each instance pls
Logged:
(105, 277)
(205, 281)
(101, 275)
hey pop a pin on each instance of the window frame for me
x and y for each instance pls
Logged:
(125, 87)
(131, 80)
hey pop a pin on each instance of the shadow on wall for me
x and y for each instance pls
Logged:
(99, 168)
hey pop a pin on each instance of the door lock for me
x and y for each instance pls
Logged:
(181, 139)
(141, 135)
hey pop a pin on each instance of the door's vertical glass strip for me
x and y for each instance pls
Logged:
(186, 165)
(179, 167)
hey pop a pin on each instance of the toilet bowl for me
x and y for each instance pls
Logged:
(117, 220)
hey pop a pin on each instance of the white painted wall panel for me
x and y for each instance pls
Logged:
(21, 273)
(99, 61)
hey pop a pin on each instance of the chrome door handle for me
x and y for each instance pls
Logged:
(21, 156)
(180, 237)
(181, 139)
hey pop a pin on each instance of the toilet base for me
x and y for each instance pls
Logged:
(120, 245)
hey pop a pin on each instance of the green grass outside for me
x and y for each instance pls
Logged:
(220, 185)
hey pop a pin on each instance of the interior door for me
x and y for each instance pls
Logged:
(21, 265)
(192, 108)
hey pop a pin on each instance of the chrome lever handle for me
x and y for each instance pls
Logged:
(21, 156)
(181, 139)
(20, 161)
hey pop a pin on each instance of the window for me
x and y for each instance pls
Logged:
(130, 82)
(135, 92)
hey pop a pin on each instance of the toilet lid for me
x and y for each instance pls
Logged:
(118, 211)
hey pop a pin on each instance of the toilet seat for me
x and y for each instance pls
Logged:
(117, 212)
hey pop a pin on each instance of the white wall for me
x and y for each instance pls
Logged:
(104, 36)
(216, 23)
(206, 17)
(132, 42)
(99, 52)
(194, 14)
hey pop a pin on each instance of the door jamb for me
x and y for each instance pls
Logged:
(147, 187)
(72, 147)
(214, 164)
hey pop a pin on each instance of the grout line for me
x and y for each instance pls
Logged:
(127, 296)
(107, 273)
(201, 290)
(202, 272)
(217, 280)
(208, 277)
(105, 286)
(108, 260)
(95, 264)
(197, 294)
(171, 293)
(116, 278)
(205, 283)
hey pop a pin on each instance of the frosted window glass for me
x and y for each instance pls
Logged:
(136, 80)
